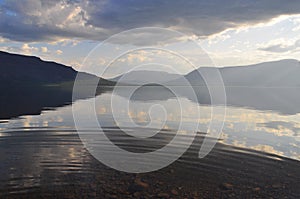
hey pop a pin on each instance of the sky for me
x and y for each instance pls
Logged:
(238, 32)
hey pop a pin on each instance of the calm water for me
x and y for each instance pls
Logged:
(43, 152)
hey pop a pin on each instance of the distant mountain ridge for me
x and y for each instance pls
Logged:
(275, 73)
(28, 69)
(21, 70)
(268, 74)
(283, 73)
(145, 77)
(18, 69)
(29, 85)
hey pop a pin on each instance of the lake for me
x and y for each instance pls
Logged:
(257, 153)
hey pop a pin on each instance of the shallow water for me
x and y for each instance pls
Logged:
(42, 153)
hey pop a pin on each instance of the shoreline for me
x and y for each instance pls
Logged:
(226, 172)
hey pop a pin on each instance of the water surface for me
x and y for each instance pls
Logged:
(257, 154)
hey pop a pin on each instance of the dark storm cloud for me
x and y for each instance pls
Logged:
(202, 17)
(43, 20)
(34, 20)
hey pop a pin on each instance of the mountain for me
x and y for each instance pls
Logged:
(28, 70)
(265, 86)
(29, 85)
(283, 73)
(276, 73)
(145, 77)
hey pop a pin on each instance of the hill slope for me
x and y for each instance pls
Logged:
(282, 73)
(145, 77)
(29, 85)
(19, 69)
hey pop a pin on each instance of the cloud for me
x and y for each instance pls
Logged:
(44, 49)
(10, 49)
(96, 20)
(27, 49)
(2, 40)
(59, 52)
(281, 47)
(33, 21)
(200, 17)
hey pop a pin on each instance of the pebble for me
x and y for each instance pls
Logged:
(174, 192)
(137, 194)
(160, 183)
(163, 195)
(139, 182)
(226, 186)
(276, 186)
(135, 188)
